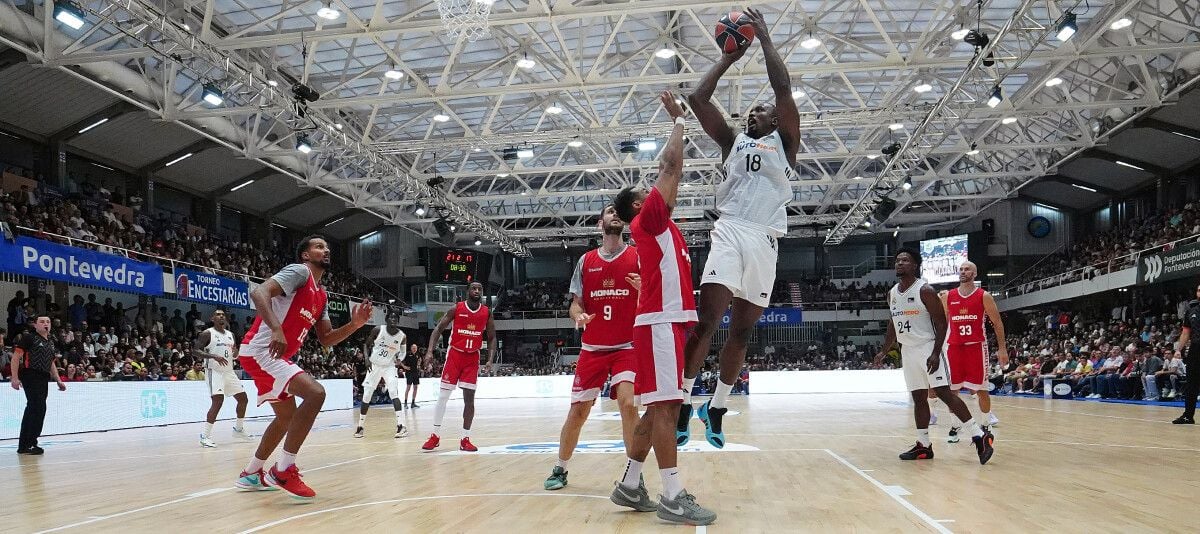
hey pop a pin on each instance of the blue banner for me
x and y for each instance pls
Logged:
(212, 289)
(43, 259)
(772, 317)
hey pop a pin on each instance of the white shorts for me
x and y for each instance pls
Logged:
(390, 380)
(224, 383)
(743, 259)
(915, 359)
(271, 376)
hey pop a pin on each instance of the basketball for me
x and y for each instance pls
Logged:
(734, 30)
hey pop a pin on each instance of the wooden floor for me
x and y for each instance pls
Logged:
(807, 463)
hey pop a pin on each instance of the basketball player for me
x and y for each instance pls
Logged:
(665, 309)
(290, 304)
(752, 204)
(384, 346)
(1190, 343)
(919, 324)
(412, 375)
(966, 341)
(605, 284)
(216, 346)
(462, 361)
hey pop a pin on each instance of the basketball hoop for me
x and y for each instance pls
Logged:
(468, 18)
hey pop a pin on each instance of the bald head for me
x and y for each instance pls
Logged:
(967, 272)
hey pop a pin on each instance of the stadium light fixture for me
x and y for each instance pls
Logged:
(797, 94)
(273, 83)
(93, 125)
(212, 95)
(907, 183)
(328, 12)
(647, 145)
(526, 63)
(303, 145)
(554, 109)
(923, 88)
(525, 153)
(996, 97)
(664, 53)
(1047, 206)
(960, 34)
(1130, 165)
(1084, 187)
(810, 43)
(420, 211)
(591, 170)
(974, 150)
(453, 227)
(896, 126)
(1181, 134)
(373, 232)
(575, 143)
(478, 242)
(1055, 81)
(1121, 23)
(69, 14)
(241, 185)
(1008, 120)
(393, 73)
(335, 221)
(179, 159)
(441, 117)
(1067, 28)
(995, 275)
(502, 175)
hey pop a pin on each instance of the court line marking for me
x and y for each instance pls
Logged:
(1159, 421)
(933, 523)
(185, 498)
(701, 529)
(278, 522)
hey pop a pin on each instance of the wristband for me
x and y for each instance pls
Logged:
(679, 121)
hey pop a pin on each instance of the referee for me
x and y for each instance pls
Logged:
(1191, 360)
(33, 366)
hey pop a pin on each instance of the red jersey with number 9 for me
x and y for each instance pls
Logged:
(966, 316)
(466, 332)
(610, 298)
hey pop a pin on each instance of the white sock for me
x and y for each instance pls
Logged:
(439, 412)
(561, 463)
(721, 395)
(972, 427)
(987, 417)
(239, 424)
(933, 404)
(633, 474)
(399, 417)
(672, 484)
(208, 430)
(923, 437)
(286, 460)
(362, 419)
(255, 465)
(688, 384)
(466, 432)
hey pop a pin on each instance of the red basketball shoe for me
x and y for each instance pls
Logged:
(289, 481)
(465, 445)
(431, 443)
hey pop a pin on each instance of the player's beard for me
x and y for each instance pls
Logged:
(475, 299)
(614, 229)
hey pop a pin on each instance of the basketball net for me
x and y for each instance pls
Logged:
(468, 18)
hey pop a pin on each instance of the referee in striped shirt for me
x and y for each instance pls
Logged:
(33, 366)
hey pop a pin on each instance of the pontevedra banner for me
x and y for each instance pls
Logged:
(771, 317)
(1179, 262)
(212, 289)
(43, 259)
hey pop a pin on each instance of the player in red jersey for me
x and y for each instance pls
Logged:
(290, 304)
(605, 283)
(469, 321)
(666, 309)
(966, 342)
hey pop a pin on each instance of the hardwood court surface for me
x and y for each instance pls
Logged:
(818, 463)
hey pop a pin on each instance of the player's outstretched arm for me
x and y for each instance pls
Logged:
(330, 336)
(993, 313)
(785, 106)
(436, 336)
(711, 118)
(670, 161)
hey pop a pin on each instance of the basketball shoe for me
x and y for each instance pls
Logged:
(240, 433)
(557, 480)
(953, 437)
(638, 499)
(711, 417)
(918, 452)
(207, 441)
(682, 433)
(358, 432)
(983, 446)
(290, 482)
(465, 445)
(431, 443)
(401, 431)
(253, 482)
(683, 509)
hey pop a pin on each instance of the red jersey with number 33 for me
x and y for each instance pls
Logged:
(610, 298)
(966, 316)
(466, 332)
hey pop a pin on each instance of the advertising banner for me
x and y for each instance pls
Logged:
(772, 317)
(339, 310)
(211, 289)
(43, 259)
(1179, 262)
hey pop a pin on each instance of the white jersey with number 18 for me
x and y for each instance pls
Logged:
(757, 186)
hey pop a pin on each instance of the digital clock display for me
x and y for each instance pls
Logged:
(453, 266)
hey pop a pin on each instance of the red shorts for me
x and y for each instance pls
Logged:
(462, 369)
(968, 366)
(271, 376)
(659, 349)
(595, 367)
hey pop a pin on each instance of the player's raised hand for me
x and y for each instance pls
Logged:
(634, 280)
(732, 57)
(583, 319)
(362, 312)
(759, 23)
(671, 105)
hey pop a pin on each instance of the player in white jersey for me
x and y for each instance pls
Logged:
(919, 324)
(752, 208)
(218, 347)
(384, 351)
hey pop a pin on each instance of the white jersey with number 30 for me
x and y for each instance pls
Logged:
(757, 186)
(909, 315)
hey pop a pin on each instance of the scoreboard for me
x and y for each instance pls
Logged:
(457, 266)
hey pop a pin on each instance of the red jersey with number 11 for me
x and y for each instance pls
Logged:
(966, 315)
(610, 298)
(466, 332)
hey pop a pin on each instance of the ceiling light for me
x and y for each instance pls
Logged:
(526, 63)
(866, 224)
(94, 124)
(525, 153)
(212, 95)
(664, 53)
(974, 150)
(335, 221)
(476, 149)
(1084, 187)
(328, 12)
(441, 118)
(591, 170)
(485, 2)
(338, 126)
(575, 144)
(1181, 134)
(186, 26)
(502, 175)
(647, 145)
(1008, 120)
(923, 88)
(179, 159)
(273, 83)
(1130, 165)
(1054, 81)
(453, 227)
(478, 242)
(373, 232)
(960, 33)
(420, 211)
(393, 73)
(859, 177)
(303, 145)
(996, 97)
(1047, 206)
(872, 156)
(797, 94)
(1068, 27)
(810, 43)
(995, 275)
(896, 126)
(896, 232)
(554, 109)
(907, 184)
(241, 185)
(1121, 23)
(69, 14)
